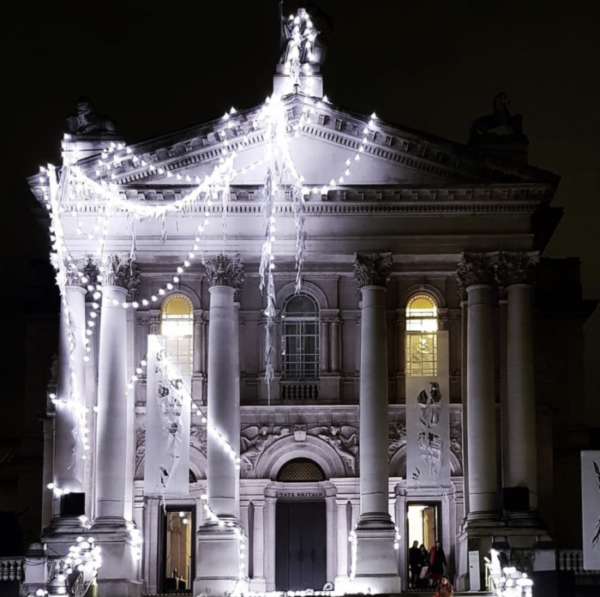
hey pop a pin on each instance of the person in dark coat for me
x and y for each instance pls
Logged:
(437, 561)
(422, 582)
(415, 562)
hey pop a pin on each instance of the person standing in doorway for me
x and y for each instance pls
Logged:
(415, 562)
(422, 580)
(437, 561)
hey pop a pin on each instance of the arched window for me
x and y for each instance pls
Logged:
(177, 325)
(421, 336)
(301, 470)
(300, 338)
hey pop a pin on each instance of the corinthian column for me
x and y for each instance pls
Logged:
(69, 454)
(115, 416)
(474, 275)
(514, 272)
(219, 559)
(111, 461)
(376, 566)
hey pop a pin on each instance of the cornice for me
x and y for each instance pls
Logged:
(391, 143)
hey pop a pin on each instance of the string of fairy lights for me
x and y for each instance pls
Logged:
(68, 194)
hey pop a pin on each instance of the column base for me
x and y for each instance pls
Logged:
(119, 573)
(62, 533)
(220, 564)
(376, 560)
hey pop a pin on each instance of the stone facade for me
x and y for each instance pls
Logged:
(417, 219)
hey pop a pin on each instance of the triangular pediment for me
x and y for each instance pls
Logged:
(328, 139)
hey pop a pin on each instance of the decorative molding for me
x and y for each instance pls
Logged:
(514, 268)
(120, 272)
(396, 438)
(456, 441)
(372, 269)
(222, 270)
(473, 268)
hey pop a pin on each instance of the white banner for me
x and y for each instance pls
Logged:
(168, 413)
(428, 424)
(590, 498)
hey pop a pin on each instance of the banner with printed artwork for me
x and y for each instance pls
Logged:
(590, 497)
(168, 414)
(428, 419)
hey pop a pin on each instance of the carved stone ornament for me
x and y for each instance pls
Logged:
(473, 268)
(222, 270)
(122, 272)
(372, 269)
(140, 452)
(88, 121)
(514, 268)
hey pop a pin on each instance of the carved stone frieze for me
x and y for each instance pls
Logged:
(140, 452)
(222, 270)
(456, 443)
(198, 437)
(124, 273)
(255, 440)
(473, 268)
(344, 440)
(372, 269)
(514, 268)
(396, 438)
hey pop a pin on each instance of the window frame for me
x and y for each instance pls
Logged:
(300, 369)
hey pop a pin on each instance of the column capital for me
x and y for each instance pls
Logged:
(222, 270)
(372, 269)
(123, 273)
(514, 268)
(473, 268)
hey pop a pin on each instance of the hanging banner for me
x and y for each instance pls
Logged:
(590, 498)
(428, 421)
(168, 413)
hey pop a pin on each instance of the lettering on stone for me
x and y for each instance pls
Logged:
(300, 494)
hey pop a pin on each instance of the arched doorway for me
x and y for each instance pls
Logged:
(301, 532)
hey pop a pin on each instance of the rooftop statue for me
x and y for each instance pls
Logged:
(501, 123)
(88, 121)
(303, 35)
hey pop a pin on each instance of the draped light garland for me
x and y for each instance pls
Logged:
(279, 133)
(66, 196)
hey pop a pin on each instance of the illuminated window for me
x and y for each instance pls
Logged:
(177, 325)
(421, 336)
(300, 339)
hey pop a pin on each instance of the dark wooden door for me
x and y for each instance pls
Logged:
(300, 546)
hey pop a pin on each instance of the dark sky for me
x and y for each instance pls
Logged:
(433, 65)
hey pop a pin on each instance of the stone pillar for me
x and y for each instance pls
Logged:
(270, 515)
(257, 583)
(120, 570)
(376, 569)
(335, 345)
(514, 272)
(68, 450)
(325, 346)
(218, 555)
(475, 277)
(342, 542)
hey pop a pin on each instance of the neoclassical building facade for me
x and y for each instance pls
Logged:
(384, 396)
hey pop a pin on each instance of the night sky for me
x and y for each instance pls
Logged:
(432, 65)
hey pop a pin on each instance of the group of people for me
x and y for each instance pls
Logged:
(427, 569)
